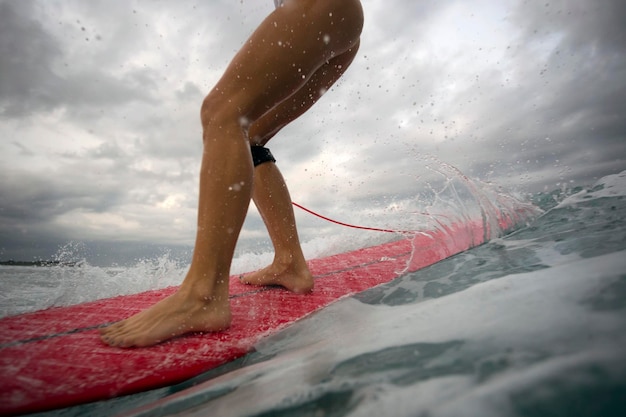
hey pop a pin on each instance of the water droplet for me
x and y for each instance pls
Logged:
(244, 121)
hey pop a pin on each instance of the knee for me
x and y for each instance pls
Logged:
(212, 110)
(220, 113)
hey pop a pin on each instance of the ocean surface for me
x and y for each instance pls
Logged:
(529, 324)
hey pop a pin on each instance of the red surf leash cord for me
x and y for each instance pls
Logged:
(375, 229)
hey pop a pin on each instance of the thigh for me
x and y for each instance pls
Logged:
(289, 46)
(262, 130)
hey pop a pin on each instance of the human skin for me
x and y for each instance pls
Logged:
(294, 55)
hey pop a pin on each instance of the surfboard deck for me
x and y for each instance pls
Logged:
(54, 358)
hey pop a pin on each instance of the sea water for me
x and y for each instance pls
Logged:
(529, 324)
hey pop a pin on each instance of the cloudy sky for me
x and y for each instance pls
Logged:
(100, 135)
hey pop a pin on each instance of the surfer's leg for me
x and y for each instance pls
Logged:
(289, 268)
(270, 193)
(276, 61)
(265, 128)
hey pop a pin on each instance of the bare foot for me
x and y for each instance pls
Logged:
(173, 316)
(297, 280)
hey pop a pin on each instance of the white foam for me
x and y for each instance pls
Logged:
(36, 288)
(609, 186)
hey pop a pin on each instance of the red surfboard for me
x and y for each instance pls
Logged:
(54, 358)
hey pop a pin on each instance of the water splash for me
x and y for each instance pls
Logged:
(443, 199)
(458, 199)
(72, 280)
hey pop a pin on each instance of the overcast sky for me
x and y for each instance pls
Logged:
(99, 100)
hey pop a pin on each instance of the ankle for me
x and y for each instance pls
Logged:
(205, 289)
(288, 260)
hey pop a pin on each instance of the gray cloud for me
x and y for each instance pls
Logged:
(38, 199)
(27, 52)
(37, 77)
